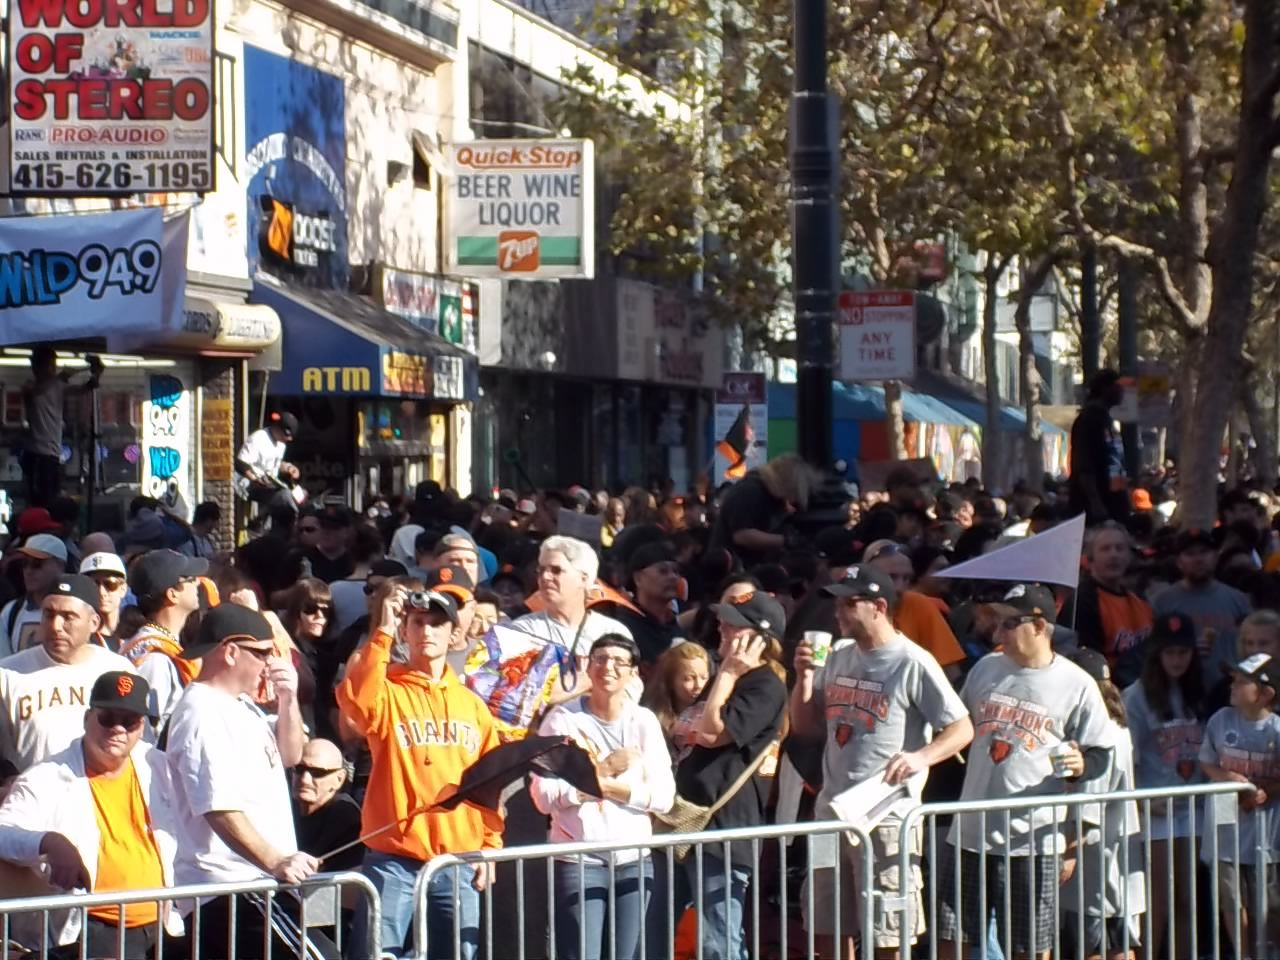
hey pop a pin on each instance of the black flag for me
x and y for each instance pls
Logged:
(483, 782)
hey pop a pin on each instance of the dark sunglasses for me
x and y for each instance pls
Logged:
(110, 583)
(110, 719)
(262, 653)
(1013, 623)
(311, 609)
(316, 772)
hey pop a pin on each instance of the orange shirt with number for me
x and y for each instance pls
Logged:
(127, 855)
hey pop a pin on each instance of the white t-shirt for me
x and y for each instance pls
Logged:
(223, 756)
(262, 453)
(44, 701)
(23, 634)
(44, 416)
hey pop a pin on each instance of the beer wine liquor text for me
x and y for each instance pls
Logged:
(110, 96)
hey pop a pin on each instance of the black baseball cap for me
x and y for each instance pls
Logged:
(287, 422)
(159, 570)
(863, 582)
(120, 690)
(757, 610)
(437, 599)
(1092, 662)
(650, 555)
(838, 546)
(228, 621)
(1259, 668)
(77, 585)
(1173, 630)
(451, 579)
(1030, 600)
(1193, 538)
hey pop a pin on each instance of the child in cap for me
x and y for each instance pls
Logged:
(1242, 745)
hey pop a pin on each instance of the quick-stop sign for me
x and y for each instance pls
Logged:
(877, 335)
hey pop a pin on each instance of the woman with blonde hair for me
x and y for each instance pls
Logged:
(678, 679)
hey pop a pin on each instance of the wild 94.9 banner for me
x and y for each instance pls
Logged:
(110, 96)
(102, 275)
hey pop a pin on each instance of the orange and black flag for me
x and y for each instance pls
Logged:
(736, 443)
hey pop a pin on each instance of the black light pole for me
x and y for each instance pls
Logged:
(815, 265)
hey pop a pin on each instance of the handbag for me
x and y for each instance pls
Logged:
(686, 816)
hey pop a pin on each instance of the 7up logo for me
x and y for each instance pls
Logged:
(518, 251)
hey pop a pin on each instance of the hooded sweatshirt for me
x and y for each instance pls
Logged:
(422, 734)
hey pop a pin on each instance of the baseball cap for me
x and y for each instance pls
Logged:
(387, 568)
(1092, 662)
(1141, 499)
(757, 610)
(437, 599)
(119, 690)
(228, 621)
(1194, 537)
(44, 546)
(103, 563)
(35, 520)
(580, 495)
(1030, 600)
(76, 585)
(455, 539)
(1173, 630)
(863, 582)
(159, 570)
(884, 548)
(649, 555)
(1259, 668)
(451, 579)
(526, 507)
(287, 422)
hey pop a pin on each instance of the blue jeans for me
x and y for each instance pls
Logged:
(720, 907)
(393, 877)
(588, 915)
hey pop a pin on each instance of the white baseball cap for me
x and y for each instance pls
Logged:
(102, 563)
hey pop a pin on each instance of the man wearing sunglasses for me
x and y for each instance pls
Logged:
(228, 765)
(107, 571)
(99, 817)
(166, 584)
(1039, 724)
(44, 689)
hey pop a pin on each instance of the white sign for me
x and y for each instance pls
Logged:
(166, 442)
(522, 209)
(877, 335)
(110, 98)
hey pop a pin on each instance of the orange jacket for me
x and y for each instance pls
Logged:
(422, 734)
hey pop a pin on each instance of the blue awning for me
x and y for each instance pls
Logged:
(857, 401)
(343, 344)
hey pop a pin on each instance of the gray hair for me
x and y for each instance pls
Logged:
(1109, 526)
(579, 554)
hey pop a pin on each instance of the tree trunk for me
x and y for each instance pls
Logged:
(992, 456)
(1231, 252)
(1262, 429)
(1029, 373)
(893, 418)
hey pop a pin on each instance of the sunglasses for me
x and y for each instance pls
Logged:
(262, 653)
(110, 719)
(316, 773)
(1013, 623)
(317, 609)
(110, 584)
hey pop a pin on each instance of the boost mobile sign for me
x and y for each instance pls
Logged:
(110, 96)
(522, 209)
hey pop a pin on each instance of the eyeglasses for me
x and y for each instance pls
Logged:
(618, 663)
(110, 719)
(553, 569)
(1013, 623)
(262, 653)
(318, 609)
(110, 584)
(316, 773)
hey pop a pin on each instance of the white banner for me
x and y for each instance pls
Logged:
(1049, 557)
(110, 98)
(738, 391)
(522, 209)
(63, 278)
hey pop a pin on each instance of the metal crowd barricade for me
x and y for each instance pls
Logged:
(1185, 841)
(33, 923)
(707, 851)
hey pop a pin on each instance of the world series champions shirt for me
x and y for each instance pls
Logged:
(1019, 715)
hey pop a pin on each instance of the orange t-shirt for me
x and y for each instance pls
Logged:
(127, 857)
(920, 620)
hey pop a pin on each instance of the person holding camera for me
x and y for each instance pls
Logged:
(423, 728)
(43, 397)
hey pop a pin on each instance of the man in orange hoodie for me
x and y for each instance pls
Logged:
(424, 728)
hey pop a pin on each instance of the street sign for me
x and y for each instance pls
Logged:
(877, 335)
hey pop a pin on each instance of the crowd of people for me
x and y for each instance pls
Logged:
(176, 713)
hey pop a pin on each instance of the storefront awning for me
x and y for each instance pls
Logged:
(344, 344)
